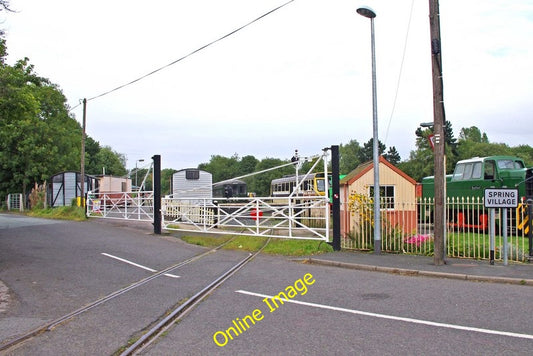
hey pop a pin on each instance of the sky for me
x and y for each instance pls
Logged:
(298, 78)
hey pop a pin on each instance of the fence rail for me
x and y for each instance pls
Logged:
(128, 205)
(283, 217)
(408, 228)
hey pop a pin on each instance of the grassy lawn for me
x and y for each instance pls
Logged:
(285, 247)
(477, 245)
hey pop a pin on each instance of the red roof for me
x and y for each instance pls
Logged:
(364, 168)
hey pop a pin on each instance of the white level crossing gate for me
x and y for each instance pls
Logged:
(127, 206)
(283, 217)
(302, 214)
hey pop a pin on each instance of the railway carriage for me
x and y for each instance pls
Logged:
(312, 185)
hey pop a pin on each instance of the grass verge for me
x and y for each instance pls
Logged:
(64, 212)
(285, 247)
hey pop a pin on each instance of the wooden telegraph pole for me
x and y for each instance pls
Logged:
(438, 127)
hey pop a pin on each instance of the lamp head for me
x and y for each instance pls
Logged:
(366, 12)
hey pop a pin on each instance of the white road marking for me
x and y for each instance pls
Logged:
(398, 318)
(138, 265)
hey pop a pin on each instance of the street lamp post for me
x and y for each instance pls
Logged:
(369, 13)
(139, 160)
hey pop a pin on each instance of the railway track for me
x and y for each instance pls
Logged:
(165, 321)
(175, 315)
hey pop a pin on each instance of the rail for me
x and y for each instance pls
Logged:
(175, 315)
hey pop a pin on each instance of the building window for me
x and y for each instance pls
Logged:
(192, 174)
(386, 194)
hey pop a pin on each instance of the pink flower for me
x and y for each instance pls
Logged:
(417, 239)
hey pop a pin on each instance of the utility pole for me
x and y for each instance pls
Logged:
(82, 168)
(438, 127)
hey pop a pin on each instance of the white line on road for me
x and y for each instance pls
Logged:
(138, 265)
(398, 318)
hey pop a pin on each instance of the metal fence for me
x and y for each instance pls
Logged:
(15, 202)
(128, 205)
(408, 228)
(283, 217)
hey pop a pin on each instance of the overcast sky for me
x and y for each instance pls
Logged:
(300, 78)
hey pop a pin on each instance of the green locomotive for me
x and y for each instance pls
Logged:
(469, 180)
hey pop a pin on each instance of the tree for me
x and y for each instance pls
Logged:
(222, 168)
(349, 156)
(166, 178)
(38, 135)
(260, 183)
(3, 48)
(392, 156)
(247, 165)
(448, 133)
(420, 164)
(525, 152)
(113, 162)
(367, 152)
(100, 159)
(473, 134)
(469, 149)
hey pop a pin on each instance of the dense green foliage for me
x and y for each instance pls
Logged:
(38, 135)
(471, 143)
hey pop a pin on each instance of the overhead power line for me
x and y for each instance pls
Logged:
(191, 53)
(401, 70)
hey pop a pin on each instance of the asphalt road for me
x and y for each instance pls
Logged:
(51, 268)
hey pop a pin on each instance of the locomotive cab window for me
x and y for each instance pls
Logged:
(459, 170)
(320, 185)
(519, 164)
(489, 169)
(505, 164)
(469, 170)
(477, 170)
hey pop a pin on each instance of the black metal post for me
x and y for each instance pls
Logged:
(335, 198)
(157, 194)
